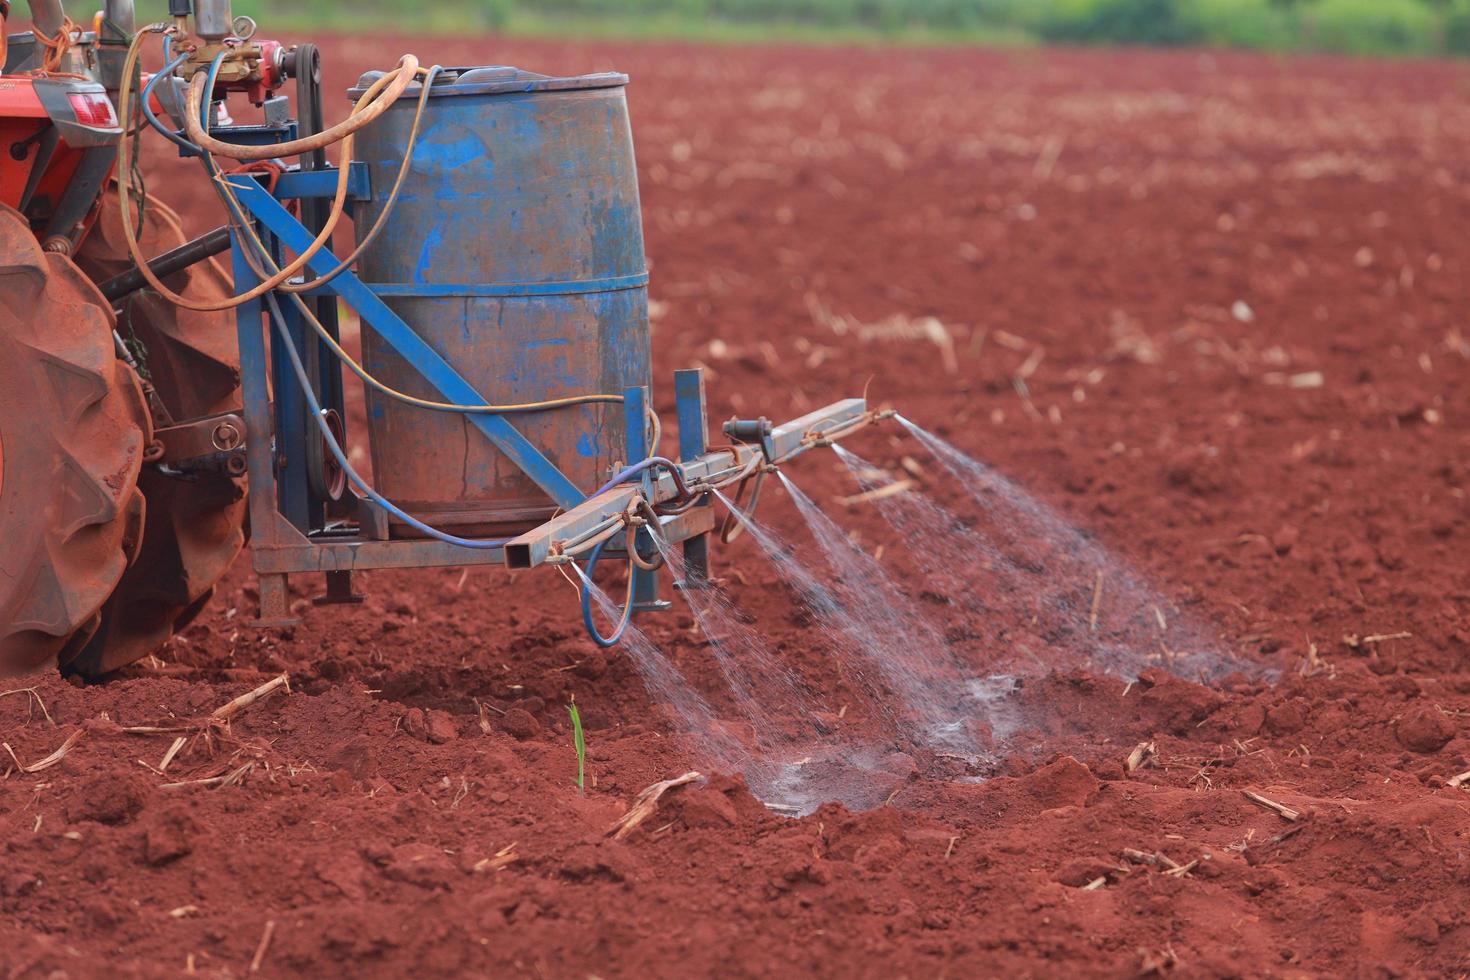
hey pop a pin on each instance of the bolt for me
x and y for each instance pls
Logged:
(226, 436)
(58, 244)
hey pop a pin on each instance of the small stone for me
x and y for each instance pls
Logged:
(520, 723)
(433, 725)
(1424, 729)
(1285, 538)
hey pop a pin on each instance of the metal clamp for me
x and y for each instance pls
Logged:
(755, 432)
(212, 443)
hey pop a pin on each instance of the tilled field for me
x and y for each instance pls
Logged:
(1209, 307)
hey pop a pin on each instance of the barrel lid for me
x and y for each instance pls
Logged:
(497, 80)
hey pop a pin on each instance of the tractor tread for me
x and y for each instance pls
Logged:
(73, 428)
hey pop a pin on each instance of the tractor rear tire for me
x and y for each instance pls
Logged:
(73, 431)
(195, 526)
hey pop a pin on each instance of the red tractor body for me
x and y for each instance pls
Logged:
(47, 126)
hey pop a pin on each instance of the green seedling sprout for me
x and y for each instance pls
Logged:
(581, 745)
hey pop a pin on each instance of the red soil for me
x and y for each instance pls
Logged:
(1293, 469)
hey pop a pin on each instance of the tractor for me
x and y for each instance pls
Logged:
(163, 397)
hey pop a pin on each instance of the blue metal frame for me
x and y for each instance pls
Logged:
(376, 314)
(635, 423)
(288, 537)
(285, 539)
(689, 404)
(323, 183)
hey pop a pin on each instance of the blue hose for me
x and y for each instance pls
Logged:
(596, 553)
(152, 117)
(207, 102)
(598, 638)
(639, 467)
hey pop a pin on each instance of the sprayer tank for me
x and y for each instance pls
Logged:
(515, 249)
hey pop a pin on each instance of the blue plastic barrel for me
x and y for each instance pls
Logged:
(516, 251)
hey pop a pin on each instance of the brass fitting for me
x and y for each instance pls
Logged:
(241, 65)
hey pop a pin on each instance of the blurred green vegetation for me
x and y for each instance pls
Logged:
(1394, 27)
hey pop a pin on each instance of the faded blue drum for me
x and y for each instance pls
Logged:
(516, 251)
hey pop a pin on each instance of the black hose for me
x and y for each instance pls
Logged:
(190, 253)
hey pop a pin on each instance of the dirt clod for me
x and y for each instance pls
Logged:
(420, 864)
(440, 727)
(1424, 728)
(108, 799)
(169, 834)
(1065, 782)
(520, 723)
(705, 807)
(1284, 719)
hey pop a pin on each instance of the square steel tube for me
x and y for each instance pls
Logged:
(786, 440)
(532, 548)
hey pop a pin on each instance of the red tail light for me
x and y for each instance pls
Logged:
(93, 109)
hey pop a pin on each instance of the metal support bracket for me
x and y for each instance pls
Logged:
(635, 420)
(409, 345)
(339, 591)
(690, 407)
(212, 442)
